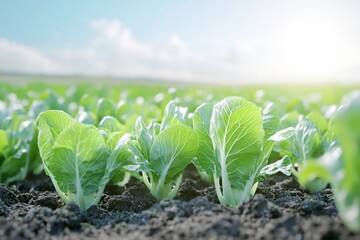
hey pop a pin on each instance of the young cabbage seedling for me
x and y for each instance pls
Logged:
(340, 165)
(164, 151)
(77, 158)
(18, 146)
(112, 130)
(312, 138)
(232, 148)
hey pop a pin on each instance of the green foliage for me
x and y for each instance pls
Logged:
(340, 165)
(77, 158)
(18, 144)
(312, 138)
(233, 149)
(164, 152)
(232, 143)
(271, 119)
(346, 182)
(204, 161)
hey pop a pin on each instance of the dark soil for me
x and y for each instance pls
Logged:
(279, 210)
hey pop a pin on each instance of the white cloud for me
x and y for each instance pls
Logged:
(115, 52)
(280, 55)
(15, 57)
(119, 38)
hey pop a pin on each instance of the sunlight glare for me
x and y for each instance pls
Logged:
(309, 44)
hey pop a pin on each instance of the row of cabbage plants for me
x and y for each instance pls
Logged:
(233, 143)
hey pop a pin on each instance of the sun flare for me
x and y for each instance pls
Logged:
(311, 44)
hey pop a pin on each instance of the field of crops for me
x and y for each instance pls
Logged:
(169, 160)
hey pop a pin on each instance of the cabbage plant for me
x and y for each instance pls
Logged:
(164, 151)
(312, 138)
(340, 165)
(19, 153)
(233, 148)
(77, 157)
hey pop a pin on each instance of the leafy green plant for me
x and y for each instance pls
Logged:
(19, 154)
(77, 158)
(112, 130)
(164, 151)
(340, 165)
(232, 148)
(312, 138)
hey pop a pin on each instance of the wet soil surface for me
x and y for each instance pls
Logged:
(280, 209)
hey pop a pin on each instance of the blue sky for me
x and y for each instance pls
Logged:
(234, 41)
(47, 23)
